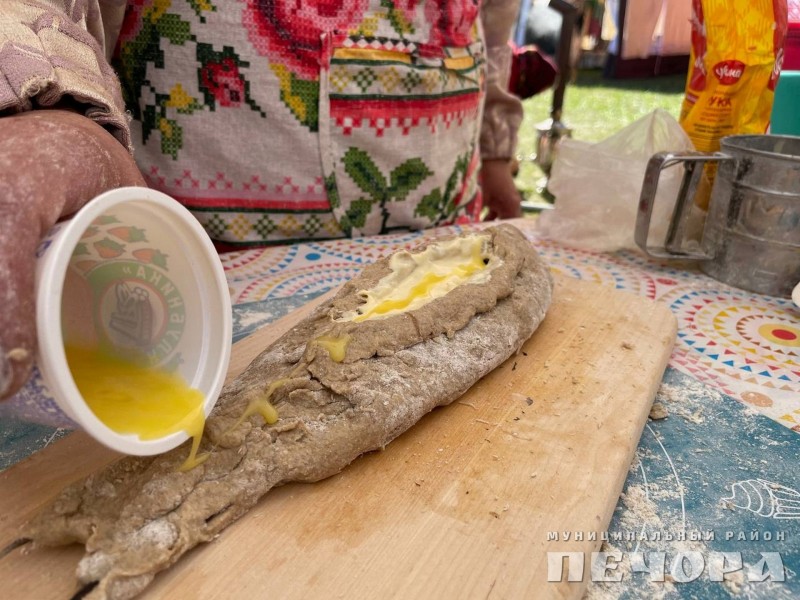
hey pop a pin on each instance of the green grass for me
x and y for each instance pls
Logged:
(594, 108)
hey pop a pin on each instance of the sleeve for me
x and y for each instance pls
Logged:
(502, 113)
(52, 53)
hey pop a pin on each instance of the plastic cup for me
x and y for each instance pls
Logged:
(133, 270)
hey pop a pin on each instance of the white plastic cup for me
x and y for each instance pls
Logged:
(133, 270)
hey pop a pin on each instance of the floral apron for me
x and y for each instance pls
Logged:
(276, 120)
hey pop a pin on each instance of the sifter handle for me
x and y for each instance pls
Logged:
(673, 245)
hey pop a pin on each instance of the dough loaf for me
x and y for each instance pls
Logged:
(141, 514)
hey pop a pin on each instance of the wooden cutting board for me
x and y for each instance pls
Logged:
(458, 507)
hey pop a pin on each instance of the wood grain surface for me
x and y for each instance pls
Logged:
(458, 507)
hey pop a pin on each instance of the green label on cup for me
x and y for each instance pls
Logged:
(137, 307)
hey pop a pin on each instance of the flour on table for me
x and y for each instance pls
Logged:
(676, 400)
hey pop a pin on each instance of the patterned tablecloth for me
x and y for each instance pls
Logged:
(744, 345)
(724, 464)
(722, 467)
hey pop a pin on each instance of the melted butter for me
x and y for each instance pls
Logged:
(417, 279)
(261, 405)
(336, 346)
(195, 429)
(134, 399)
(396, 305)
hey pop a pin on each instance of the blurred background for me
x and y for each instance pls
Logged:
(588, 68)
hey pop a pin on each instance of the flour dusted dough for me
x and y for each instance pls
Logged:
(139, 515)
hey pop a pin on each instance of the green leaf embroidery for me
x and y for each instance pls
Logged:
(458, 175)
(175, 29)
(358, 211)
(300, 96)
(249, 100)
(345, 225)
(368, 177)
(430, 205)
(332, 191)
(171, 137)
(365, 173)
(133, 62)
(202, 5)
(407, 177)
(220, 79)
(438, 206)
(148, 118)
(397, 18)
(308, 91)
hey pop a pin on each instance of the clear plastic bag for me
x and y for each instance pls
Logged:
(597, 186)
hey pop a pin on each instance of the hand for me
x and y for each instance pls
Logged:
(51, 163)
(500, 195)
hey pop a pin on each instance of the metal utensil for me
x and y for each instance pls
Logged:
(751, 237)
(550, 131)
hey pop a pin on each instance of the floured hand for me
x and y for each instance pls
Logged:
(51, 163)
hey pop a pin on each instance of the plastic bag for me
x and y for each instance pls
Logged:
(597, 186)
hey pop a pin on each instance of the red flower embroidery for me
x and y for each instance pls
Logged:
(132, 22)
(451, 20)
(223, 80)
(407, 7)
(288, 31)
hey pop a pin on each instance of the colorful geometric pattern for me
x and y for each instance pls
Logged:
(237, 227)
(743, 344)
(384, 73)
(748, 345)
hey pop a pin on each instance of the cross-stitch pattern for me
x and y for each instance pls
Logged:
(317, 92)
(146, 25)
(376, 92)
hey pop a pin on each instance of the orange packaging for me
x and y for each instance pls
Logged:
(736, 55)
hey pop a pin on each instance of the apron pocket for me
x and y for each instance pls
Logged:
(399, 126)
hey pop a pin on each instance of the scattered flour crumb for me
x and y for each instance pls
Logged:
(643, 509)
(695, 417)
(750, 411)
(678, 399)
(17, 354)
(690, 389)
(658, 411)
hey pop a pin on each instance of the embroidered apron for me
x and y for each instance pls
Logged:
(288, 120)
